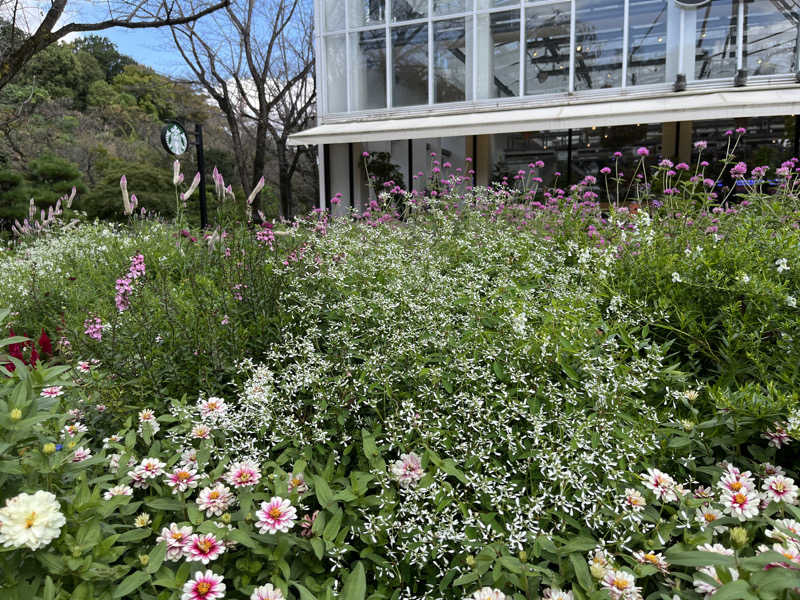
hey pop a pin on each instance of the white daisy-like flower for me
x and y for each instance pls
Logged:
(743, 505)
(706, 516)
(31, 520)
(142, 520)
(634, 500)
(211, 407)
(676, 278)
(661, 484)
(704, 587)
(487, 593)
(118, 490)
(267, 592)
(780, 488)
(716, 548)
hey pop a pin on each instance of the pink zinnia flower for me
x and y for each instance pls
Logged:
(620, 584)
(307, 523)
(52, 392)
(266, 592)
(151, 468)
(244, 473)
(118, 490)
(203, 548)
(81, 454)
(175, 537)
(204, 586)
(276, 515)
(734, 480)
(297, 483)
(743, 505)
(215, 500)
(778, 437)
(200, 431)
(211, 406)
(780, 489)
(662, 485)
(181, 479)
(75, 429)
(83, 366)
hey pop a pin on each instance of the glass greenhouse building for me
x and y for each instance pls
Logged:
(509, 82)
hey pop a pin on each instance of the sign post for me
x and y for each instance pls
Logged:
(176, 141)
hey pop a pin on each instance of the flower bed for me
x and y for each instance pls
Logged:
(503, 392)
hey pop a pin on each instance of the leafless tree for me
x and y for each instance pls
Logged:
(255, 59)
(130, 14)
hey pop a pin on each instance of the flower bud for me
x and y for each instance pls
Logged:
(71, 445)
(523, 556)
(597, 571)
(470, 561)
(225, 518)
(16, 414)
(144, 559)
(738, 537)
(49, 448)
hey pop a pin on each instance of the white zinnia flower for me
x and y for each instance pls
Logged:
(31, 520)
(676, 278)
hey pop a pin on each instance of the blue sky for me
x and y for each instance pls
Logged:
(151, 47)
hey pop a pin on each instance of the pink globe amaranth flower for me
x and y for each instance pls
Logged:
(175, 537)
(778, 488)
(243, 474)
(739, 170)
(203, 548)
(643, 151)
(266, 592)
(204, 586)
(605, 170)
(741, 130)
(407, 471)
(701, 145)
(181, 479)
(276, 515)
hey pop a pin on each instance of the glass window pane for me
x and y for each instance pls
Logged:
(367, 12)
(647, 56)
(335, 66)
(368, 71)
(547, 48)
(334, 15)
(452, 56)
(598, 44)
(410, 60)
(715, 49)
(496, 3)
(497, 53)
(449, 7)
(408, 10)
(770, 37)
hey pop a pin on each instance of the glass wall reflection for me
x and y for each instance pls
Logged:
(336, 73)
(452, 55)
(647, 42)
(771, 31)
(366, 12)
(368, 71)
(598, 43)
(715, 45)
(410, 60)
(547, 30)
(498, 54)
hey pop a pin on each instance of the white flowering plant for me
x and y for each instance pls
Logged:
(507, 392)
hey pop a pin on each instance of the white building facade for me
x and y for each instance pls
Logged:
(568, 82)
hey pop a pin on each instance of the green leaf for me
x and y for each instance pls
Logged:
(735, 590)
(238, 535)
(134, 535)
(49, 592)
(581, 571)
(304, 593)
(355, 584)
(512, 564)
(172, 504)
(319, 547)
(467, 578)
(157, 556)
(332, 527)
(699, 559)
(195, 516)
(323, 491)
(130, 583)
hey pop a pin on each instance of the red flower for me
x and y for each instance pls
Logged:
(45, 345)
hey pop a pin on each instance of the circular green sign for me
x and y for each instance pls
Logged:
(173, 138)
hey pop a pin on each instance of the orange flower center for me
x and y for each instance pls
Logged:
(204, 545)
(621, 584)
(30, 520)
(183, 475)
(214, 495)
(244, 476)
(740, 499)
(177, 535)
(651, 558)
(276, 513)
(203, 587)
(736, 486)
(710, 517)
(296, 482)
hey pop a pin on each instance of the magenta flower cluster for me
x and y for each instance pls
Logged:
(124, 285)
